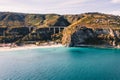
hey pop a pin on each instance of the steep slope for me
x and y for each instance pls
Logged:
(93, 29)
(11, 20)
(82, 29)
(8, 19)
(11, 24)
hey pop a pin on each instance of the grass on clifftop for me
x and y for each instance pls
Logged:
(93, 21)
(96, 20)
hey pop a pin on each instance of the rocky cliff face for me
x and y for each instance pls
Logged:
(93, 29)
(17, 26)
(87, 36)
(87, 28)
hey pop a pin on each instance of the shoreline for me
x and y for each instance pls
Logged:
(100, 46)
(32, 46)
(28, 47)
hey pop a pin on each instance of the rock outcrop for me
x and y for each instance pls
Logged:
(93, 29)
(95, 37)
(81, 29)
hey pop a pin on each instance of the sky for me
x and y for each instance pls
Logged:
(61, 6)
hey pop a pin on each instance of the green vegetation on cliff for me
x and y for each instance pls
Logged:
(95, 21)
(8, 19)
(19, 27)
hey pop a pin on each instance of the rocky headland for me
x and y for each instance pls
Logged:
(84, 36)
(93, 30)
(88, 29)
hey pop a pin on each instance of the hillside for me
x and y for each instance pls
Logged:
(15, 27)
(8, 19)
(20, 27)
(93, 28)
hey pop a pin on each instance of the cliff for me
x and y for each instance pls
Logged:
(93, 29)
(81, 29)
(20, 27)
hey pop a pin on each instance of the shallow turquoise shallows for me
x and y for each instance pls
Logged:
(60, 64)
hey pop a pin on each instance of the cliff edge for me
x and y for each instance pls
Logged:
(93, 29)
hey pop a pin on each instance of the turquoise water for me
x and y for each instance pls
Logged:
(61, 64)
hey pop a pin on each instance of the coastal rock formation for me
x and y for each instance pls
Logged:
(81, 29)
(83, 35)
(17, 27)
(97, 37)
(93, 30)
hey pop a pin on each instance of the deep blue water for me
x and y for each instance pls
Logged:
(60, 64)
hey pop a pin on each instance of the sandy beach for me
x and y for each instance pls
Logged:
(27, 47)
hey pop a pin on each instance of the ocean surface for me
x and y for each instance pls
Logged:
(60, 64)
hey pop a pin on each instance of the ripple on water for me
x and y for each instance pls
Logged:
(61, 64)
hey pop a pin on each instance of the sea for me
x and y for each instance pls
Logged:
(61, 63)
